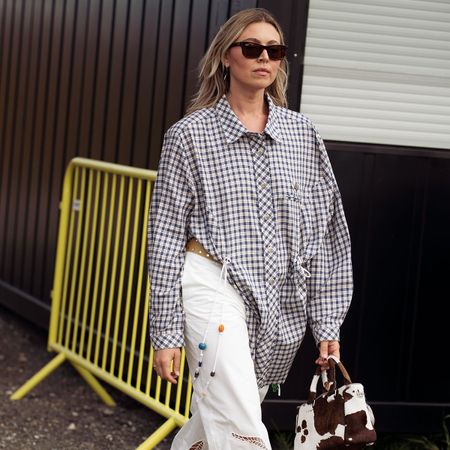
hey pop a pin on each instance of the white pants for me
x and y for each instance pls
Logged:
(226, 407)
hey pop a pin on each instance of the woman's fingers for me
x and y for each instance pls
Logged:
(162, 363)
(177, 362)
(327, 348)
(323, 355)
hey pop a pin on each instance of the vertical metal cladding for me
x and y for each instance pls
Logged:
(98, 79)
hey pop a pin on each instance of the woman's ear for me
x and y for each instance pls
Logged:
(225, 60)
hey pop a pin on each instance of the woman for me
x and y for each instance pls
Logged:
(247, 239)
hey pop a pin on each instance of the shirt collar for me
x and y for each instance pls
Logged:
(233, 127)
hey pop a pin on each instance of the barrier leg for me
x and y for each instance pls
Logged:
(94, 384)
(38, 377)
(165, 429)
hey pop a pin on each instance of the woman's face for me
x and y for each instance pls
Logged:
(253, 74)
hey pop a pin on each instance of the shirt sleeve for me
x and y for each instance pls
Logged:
(330, 286)
(170, 208)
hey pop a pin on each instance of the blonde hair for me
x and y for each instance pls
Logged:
(212, 73)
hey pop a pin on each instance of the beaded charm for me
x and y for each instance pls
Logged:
(220, 328)
(202, 346)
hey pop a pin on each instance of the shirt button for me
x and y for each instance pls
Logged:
(263, 185)
(267, 216)
(271, 281)
(270, 249)
(260, 152)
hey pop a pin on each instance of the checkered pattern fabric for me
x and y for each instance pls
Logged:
(269, 205)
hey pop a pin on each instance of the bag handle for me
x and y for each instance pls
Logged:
(333, 362)
(327, 382)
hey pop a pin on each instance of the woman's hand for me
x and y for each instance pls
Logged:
(162, 363)
(326, 349)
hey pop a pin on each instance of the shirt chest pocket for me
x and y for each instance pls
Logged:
(293, 204)
(303, 215)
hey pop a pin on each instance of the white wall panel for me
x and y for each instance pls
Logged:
(379, 71)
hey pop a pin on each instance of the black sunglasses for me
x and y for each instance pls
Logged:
(252, 50)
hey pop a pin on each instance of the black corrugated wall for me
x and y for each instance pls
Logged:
(105, 78)
(96, 78)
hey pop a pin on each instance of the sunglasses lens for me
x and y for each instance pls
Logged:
(276, 52)
(253, 51)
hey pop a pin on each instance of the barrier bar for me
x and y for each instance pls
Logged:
(99, 313)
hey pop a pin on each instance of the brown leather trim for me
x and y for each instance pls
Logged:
(193, 245)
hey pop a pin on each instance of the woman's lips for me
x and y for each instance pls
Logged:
(261, 72)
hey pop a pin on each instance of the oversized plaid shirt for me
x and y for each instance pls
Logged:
(268, 205)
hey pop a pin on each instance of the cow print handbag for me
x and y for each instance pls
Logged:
(339, 418)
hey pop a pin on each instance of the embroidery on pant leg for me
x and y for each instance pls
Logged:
(251, 439)
(199, 445)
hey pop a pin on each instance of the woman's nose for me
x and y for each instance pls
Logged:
(264, 56)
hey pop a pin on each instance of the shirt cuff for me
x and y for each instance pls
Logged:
(167, 340)
(325, 333)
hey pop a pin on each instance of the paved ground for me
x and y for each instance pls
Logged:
(61, 413)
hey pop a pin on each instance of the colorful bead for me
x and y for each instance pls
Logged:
(202, 346)
(212, 373)
(197, 373)
(221, 328)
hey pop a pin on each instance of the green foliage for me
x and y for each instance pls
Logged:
(283, 440)
(439, 441)
(395, 442)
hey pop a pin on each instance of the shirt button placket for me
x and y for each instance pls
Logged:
(267, 218)
(267, 223)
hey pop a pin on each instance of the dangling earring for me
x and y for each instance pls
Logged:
(225, 73)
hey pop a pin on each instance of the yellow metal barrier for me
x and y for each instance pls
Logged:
(99, 313)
